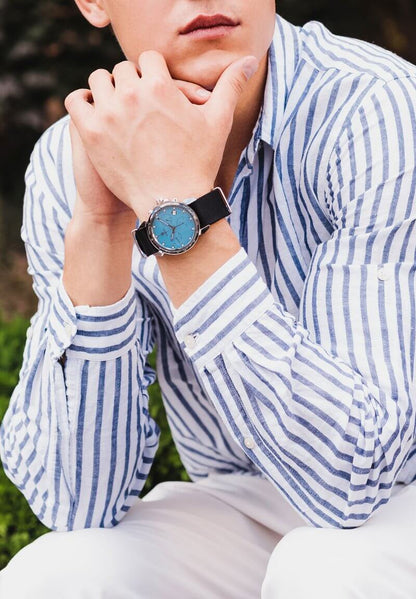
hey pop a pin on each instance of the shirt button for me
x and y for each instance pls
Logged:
(249, 443)
(190, 341)
(383, 274)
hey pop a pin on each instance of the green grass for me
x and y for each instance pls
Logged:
(18, 525)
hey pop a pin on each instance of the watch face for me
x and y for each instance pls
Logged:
(173, 227)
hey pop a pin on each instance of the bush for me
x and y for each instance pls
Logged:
(18, 525)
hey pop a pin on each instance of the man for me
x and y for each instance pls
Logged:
(285, 331)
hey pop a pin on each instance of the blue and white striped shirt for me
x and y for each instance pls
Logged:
(294, 361)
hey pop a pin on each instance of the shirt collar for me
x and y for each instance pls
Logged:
(282, 62)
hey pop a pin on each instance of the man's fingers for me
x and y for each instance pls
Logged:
(195, 93)
(125, 75)
(79, 105)
(77, 145)
(79, 153)
(152, 64)
(73, 133)
(101, 84)
(230, 86)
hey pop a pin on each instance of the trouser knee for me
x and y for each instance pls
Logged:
(318, 564)
(83, 564)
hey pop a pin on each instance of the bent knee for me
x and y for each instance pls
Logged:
(84, 563)
(318, 563)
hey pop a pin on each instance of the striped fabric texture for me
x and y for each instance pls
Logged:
(295, 361)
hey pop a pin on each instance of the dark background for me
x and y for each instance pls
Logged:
(46, 51)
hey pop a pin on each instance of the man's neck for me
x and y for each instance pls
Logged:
(245, 118)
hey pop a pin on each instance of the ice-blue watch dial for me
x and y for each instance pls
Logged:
(173, 227)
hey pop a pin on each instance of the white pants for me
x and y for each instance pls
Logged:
(221, 538)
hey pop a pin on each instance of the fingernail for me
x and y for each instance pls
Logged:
(203, 93)
(250, 66)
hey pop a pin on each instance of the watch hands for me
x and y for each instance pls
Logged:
(174, 229)
(164, 222)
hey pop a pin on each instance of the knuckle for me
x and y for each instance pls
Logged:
(96, 74)
(129, 94)
(158, 85)
(108, 117)
(73, 100)
(237, 85)
(121, 66)
(69, 100)
(91, 132)
(149, 54)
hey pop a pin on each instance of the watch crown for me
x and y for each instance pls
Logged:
(164, 200)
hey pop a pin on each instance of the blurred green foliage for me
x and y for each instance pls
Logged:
(18, 525)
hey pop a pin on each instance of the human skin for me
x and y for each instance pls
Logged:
(133, 133)
(149, 25)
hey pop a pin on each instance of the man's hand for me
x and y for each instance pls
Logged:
(94, 200)
(146, 139)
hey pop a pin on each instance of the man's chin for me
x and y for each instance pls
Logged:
(205, 75)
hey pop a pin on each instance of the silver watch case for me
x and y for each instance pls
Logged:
(162, 203)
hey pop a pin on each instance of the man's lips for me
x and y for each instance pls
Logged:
(208, 22)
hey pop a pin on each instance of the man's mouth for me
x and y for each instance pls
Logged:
(209, 22)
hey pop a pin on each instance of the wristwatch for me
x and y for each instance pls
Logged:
(174, 227)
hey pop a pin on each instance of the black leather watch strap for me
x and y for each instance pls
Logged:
(142, 238)
(211, 207)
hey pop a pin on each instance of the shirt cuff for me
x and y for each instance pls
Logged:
(92, 333)
(222, 308)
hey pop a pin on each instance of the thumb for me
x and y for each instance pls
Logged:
(230, 86)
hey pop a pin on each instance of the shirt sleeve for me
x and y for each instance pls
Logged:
(323, 403)
(77, 438)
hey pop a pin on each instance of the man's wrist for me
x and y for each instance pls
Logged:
(97, 266)
(175, 227)
(171, 191)
(108, 228)
(183, 274)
